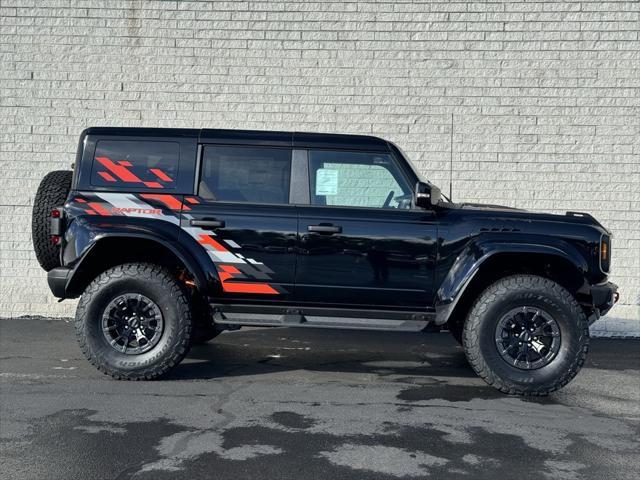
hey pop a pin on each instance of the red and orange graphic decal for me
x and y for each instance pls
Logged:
(120, 172)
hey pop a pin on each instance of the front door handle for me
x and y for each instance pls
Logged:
(207, 223)
(328, 229)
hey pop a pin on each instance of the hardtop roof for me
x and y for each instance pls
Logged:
(251, 137)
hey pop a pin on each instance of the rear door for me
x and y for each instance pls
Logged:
(361, 242)
(242, 216)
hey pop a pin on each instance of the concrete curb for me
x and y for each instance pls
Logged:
(616, 328)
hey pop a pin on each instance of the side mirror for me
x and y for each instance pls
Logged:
(426, 195)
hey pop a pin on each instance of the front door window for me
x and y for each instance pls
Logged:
(357, 179)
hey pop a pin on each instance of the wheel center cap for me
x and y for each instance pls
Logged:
(134, 322)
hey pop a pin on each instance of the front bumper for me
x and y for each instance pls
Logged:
(603, 297)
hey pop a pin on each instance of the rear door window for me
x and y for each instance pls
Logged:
(136, 164)
(246, 174)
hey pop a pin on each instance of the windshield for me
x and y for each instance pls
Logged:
(418, 174)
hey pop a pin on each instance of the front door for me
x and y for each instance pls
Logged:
(243, 219)
(361, 242)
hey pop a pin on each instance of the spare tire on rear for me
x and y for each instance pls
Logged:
(52, 192)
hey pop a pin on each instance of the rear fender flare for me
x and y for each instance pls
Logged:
(85, 235)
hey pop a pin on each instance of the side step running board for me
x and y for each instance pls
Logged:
(223, 317)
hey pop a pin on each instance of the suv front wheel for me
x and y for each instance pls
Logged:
(526, 335)
(133, 322)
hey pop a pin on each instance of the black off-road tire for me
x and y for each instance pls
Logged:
(52, 192)
(512, 292)
(155, 283)
(203, 327)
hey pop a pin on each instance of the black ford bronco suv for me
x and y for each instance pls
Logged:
(171, 236)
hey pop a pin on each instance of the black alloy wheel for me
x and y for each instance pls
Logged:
(528, 338)
(132, 324)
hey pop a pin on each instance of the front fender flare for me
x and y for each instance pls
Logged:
(471, 259)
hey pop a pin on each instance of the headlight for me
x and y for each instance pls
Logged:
(605, 253)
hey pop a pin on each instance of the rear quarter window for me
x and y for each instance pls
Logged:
(136, 164)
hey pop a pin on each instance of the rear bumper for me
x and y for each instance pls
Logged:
(57, 280)
(603, 296)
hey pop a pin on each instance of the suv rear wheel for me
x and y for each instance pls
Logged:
(134, 322)
(526, 335)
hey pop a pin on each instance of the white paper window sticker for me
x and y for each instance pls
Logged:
(326, 181)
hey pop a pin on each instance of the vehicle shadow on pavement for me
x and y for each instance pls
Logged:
(425, 365)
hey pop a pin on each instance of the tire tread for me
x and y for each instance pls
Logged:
(52, 192)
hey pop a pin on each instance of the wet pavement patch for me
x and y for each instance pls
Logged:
(449, 392)
(292, 420)
(68, 445)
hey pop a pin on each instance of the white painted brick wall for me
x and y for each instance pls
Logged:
(546, 98)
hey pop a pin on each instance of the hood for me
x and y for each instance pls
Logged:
(502, 211)
(486, 206)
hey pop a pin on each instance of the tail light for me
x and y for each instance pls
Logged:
(56, 224)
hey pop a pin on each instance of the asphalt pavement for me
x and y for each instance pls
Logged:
(308, 404)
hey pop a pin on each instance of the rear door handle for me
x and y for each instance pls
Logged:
(328, 229)
(207, 223)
